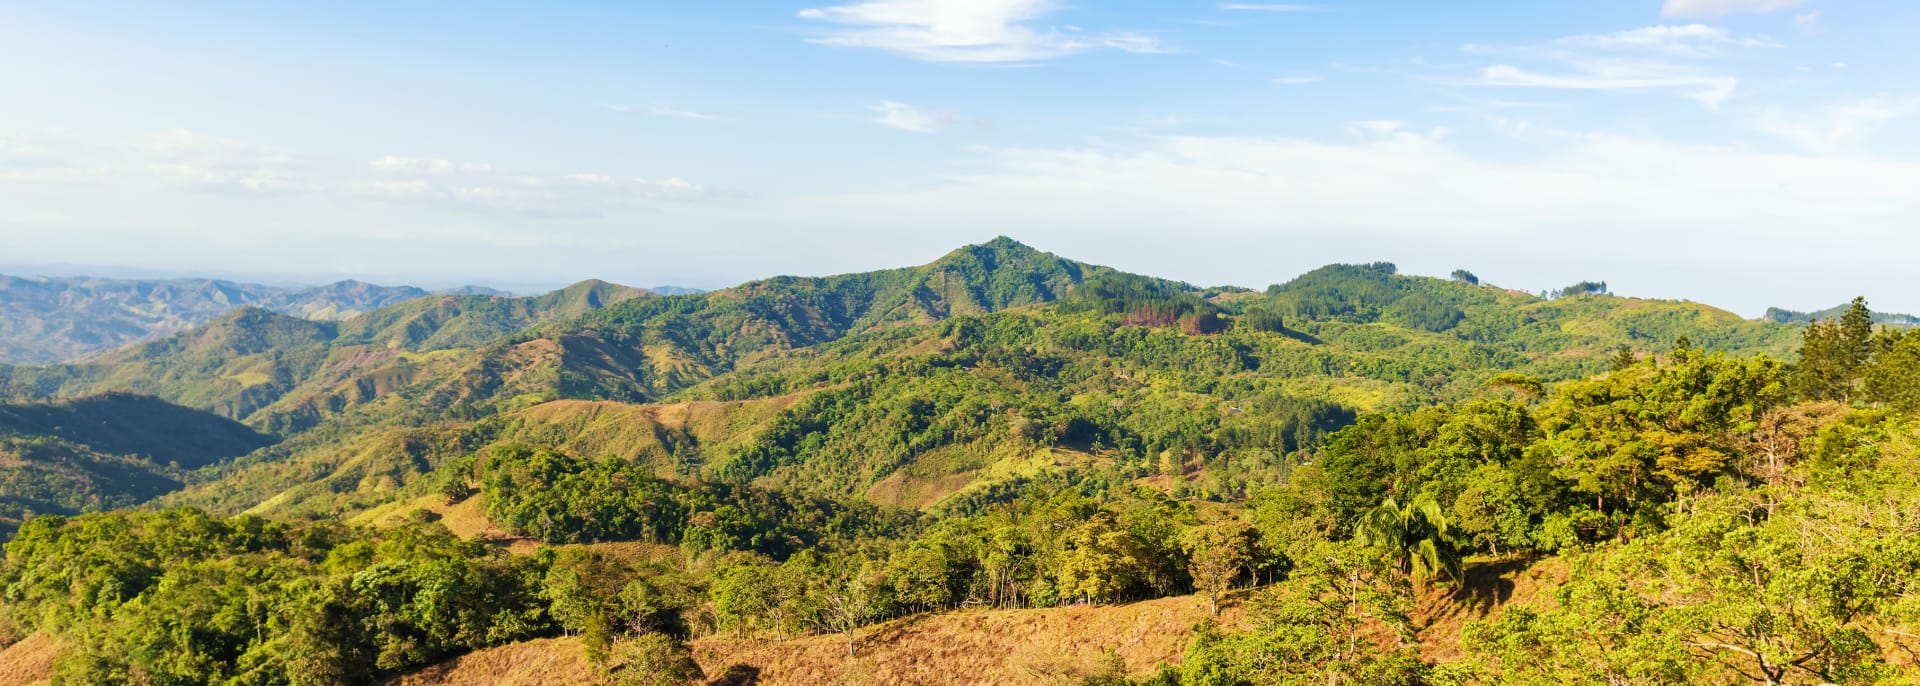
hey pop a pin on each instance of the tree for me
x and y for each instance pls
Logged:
(1833, 355)
(1466, 277)
(1216, 553)
(1098, 562)
(654, 659)
(1584, 288)
(456, 489)
(1894, 376)
(1416, 537)
(1623, 357)
(851, 600)
(1522, 386)
(1320, 626)
(1641, 436)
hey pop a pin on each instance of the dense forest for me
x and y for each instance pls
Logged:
(1329, 466)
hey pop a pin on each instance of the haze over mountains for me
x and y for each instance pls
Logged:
(58, 319)
(46, 320)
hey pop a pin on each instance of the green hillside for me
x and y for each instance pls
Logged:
(106, 451)
(918, 411)
(992, 366)
(135, 425)
(999, 428)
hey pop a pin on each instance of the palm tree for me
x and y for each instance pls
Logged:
(1416, 536)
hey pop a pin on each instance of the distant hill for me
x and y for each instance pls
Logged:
(675, 290)
(1777, 314)
(45, 320)
(251, 359)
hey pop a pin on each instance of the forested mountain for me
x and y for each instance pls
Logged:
(112, 450)
(998, 428)
(57, 319)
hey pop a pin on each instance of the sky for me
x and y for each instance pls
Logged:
(1742, 153)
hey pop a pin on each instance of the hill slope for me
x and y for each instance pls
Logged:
(107, 451)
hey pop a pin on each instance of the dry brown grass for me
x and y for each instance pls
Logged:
(540, 662)
(1491, 586)
(1047, 646)
(993, 647)
(29, 660)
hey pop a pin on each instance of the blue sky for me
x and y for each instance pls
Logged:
(1744, 153)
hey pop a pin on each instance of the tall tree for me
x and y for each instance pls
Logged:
(1215, 555)
(1416, 536)
(1834, 354)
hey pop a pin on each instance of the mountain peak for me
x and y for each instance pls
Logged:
(589, 295)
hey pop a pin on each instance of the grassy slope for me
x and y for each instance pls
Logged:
(1044, 646)
(362, 470)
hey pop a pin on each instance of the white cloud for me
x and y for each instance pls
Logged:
(1709, 90)
(1690, 39)
(1840, 129)
(1718, 8)
(410, 165)
(1657, 58)
(1137, 43)
(1808, 20)
(1377, 127)
(1261, 7)
(965, 30)
(1296, 80)
(905, 117)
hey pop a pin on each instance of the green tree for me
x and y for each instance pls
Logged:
(1216, 555)
(1417, 537)
(1833, 355)
(654, 659)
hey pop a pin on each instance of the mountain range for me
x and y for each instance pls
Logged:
(752, 359)
(885, 411)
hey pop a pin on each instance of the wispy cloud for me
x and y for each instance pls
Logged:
(1691, 39)
(1297, 80)
(1137, 43)
(1708, 90)
(1264, 7)
(1652, 58)
(1720, 8)
(966, 30)
(1839, 130)
(904, 117)
(658, 111)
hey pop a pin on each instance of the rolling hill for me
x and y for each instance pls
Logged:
(946, 462)
(106, 451)
(921, 387)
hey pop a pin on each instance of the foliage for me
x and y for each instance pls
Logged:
(179, 597)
